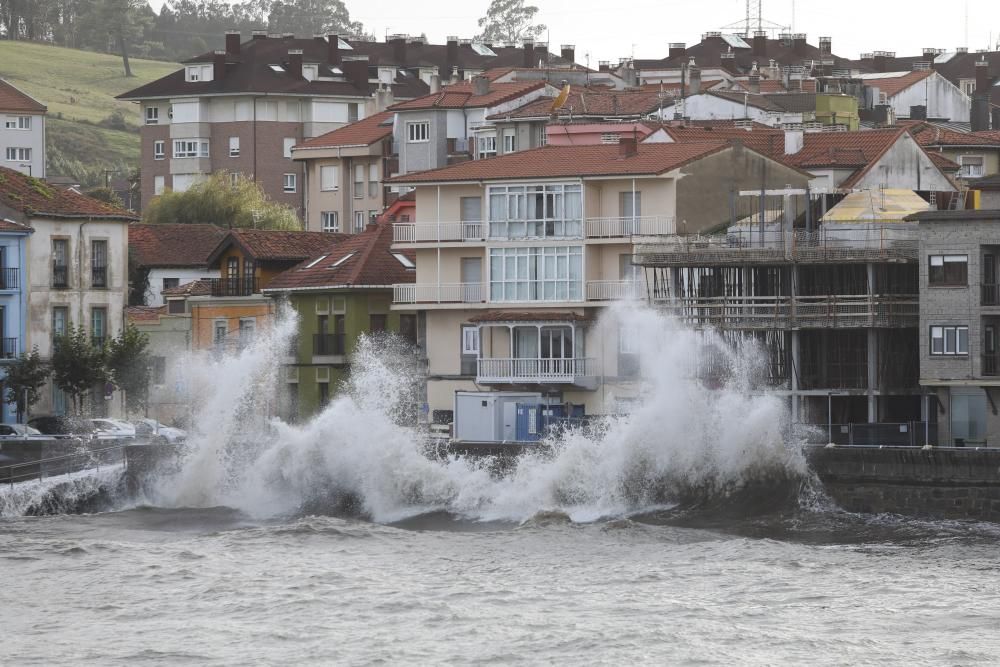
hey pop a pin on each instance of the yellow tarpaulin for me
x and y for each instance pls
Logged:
(877, 206)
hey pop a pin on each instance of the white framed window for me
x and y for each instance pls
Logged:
(968, 86)
(330, 221)
(248, 325)
(373, 179)
(509, 141)
(234, 146)
(470, 341)
(628, 340)
(158, 185)
(359, 221)
(417, 132)
(152, 115)
(359, 181)
(18, 154)
(611, 138)
(542, 136)
(487, 146)
(310, 72)
(329, 177)
(290, 182)
(220, 329)
(536, 273)
(949, 340)
(287, 144)
(947, 270)
(194, 73)
(159, 150)
(352, 112)
(18, 123)
(190, 148)
(234, 178)
(973, 166)
(535, 211)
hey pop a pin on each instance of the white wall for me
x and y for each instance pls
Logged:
(183, 275)
(906, 166)
(33, 138)
(942, 98)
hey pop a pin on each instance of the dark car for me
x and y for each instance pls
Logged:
(64, 427)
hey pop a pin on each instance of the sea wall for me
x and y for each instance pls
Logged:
(955, 483)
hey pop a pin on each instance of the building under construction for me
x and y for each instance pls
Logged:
(828, 293)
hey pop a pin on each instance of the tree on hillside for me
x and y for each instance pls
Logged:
(509, 21)
(128, 363)
(106, 195)
(216, 201)
(307, 17)
(24, 378)
(77, 365)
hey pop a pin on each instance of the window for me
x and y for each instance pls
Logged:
(310, 72)
(373, 179)
(170, 283)
(98, 326)
(287, 144)
(152, 115)
(417, 132)
(352, 112)
(948, 270)
(159, 185)
(159, 369)
(372, 217)
(611, 138)
(190, 148)
(329, 221)
(60, 321)
(99, 263)
(377, 323)
(968, 86)
(628, 342)
(234, 178)
(487, 145)
(219, 332)
(234, 146)
(630, 204)
(408, 327)
(541, 136)
(359, 181)
(289, 182)
(509, 141)
(329, 178)
(18, 154)
(535, 211)
(972, 166)
(949, 341)
(359, 221)
(60, 260)
(406, 261)
(18, 123)
(968, 417)
(176, 306)
(247, 327)
(194, 73)
(324, 392)
(159, 150)
(536, 273)
(470, 341)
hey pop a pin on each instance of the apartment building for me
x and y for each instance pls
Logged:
(517, 256)
(13, 302)
(22, 131)
(77, 267)
(977, 154)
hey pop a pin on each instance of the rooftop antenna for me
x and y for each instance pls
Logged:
(754, 20)
(966, 23)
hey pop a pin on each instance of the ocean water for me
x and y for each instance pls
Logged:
(688, 531)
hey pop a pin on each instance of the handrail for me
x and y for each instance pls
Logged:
(9, 469)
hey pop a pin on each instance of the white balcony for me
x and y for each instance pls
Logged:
(531, 230)
(533, 371)
(615, 290)
(439, 293)
(649, 225)
(436, 232)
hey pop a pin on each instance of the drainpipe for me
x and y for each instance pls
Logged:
(79, 268)
(439, 244)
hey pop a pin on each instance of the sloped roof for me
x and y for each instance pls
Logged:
(844, 149)
(927, 134)
(12, 99)
(144, 314)
(870, 205)
(571, 161)
(794, 102)
(462, 96)
(761, 138)
(173, 245)
(200, 287)
(942, 162)
(762, 102)
(767, 86)
(362, 260)
(35, 197)
(361, 133)
(986, 183)
(583, 102)
(708, 53)
(893, 83)
(14, 226)
(271, 245)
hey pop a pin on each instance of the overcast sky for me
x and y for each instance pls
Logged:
(610, 30)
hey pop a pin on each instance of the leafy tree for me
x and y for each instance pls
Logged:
(509, 21)
(24, 378)
(307, 17)
(77, 365)
(217, 201)
(106, 195)
(138, 280)
(128, 364)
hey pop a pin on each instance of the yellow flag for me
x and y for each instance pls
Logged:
(558, 103)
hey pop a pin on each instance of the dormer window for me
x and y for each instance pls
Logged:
(194, 73)
(310, 72)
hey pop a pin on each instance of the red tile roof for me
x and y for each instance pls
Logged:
(363, 260)
(943, 163)
(893, 85)
(173, 244)
(761, 138)
(935, 135)
(12, 226)
(461, 96)
(274, 245)
(569, 161)
(583, 102)
(12, 99)
(364, 132)
(844, 149)
(145, 313)
(200, 287)
(35, 197)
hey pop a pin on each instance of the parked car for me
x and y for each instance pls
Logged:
(19, 432)
(64, 426)
(154, 431)
(113, 429)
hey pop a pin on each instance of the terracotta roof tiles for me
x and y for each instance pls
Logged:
(275, 245)
(35, 197)
(173, 245)
(588, 103)
(361, 133)
(12, 99)
(462, 96)
(200, 287)
(893, 85)
(145, 313)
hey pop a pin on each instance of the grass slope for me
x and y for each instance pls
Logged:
(79, 88)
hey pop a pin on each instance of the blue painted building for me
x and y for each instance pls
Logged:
(13, 302)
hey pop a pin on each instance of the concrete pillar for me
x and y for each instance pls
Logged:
(872, 355)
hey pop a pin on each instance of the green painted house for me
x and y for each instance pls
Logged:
(345, 290)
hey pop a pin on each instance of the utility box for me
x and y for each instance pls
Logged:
(489, 416)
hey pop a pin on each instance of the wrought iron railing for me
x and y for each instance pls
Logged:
(9, 348)
(9, 278)
(990, 294)
(60, 275)
(99, 276)
(234, 286)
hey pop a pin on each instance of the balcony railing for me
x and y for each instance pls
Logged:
(593, 228)
(60, 275)
(530, 371)
(439, 293)
(991, 364)
(649, 225)
(615, 290)
(326, 345)
(990, 294)
(9, 350)
(418, 232)
(9, 278)
(234, 286)
(99, 276)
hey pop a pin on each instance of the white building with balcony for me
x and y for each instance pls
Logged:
(517, 257)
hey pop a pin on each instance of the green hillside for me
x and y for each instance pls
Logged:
(85, 134)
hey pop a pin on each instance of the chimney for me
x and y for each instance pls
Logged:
(568, 53)
(333, 49)
(627, 146)
(755, 80)
(918, 112)
(881, 60)
(383, 99)
(480, 85)
(799, 44)
(676, 50)
(760, 43)
(728, 61)
(455, 78)
(929, 55)
(398, 43)
(629, 74)
(825, 46)
(435, 83)
(980, 115)
(356, 71)
(542, 53)
(529, 53)
(794, 140)
(295, 63)
(233, 42)
(604, 66)
(219, 65)
(258, 34)
(694, 78)
(451, 53)
(982, 77)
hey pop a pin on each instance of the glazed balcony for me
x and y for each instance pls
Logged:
(529, 230)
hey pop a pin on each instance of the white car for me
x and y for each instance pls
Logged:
(157, 432)
(20, 432)
(113, 429)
